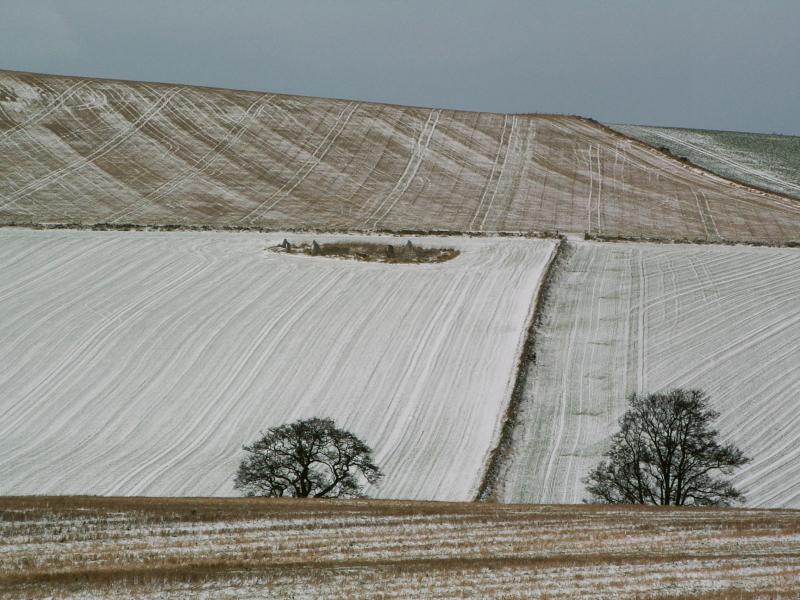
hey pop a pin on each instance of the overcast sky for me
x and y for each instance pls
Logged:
(717, 64)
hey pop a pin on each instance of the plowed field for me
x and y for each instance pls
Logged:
(98, 151)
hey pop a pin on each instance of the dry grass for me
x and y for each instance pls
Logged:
(121, 547)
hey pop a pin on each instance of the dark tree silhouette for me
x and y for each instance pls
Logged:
(666, 453)
(310, 457)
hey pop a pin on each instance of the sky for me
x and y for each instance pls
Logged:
(713, 64)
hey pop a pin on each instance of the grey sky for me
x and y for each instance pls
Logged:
(718, 64)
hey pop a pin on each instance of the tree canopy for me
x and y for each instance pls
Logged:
(307, 458)
(666, 452)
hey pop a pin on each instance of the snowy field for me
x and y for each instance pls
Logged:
(640, 317)
(79, 150)
(244, 548)
(139, 363)
(769, 161)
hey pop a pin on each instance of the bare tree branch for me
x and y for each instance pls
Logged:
(310, 457)
(667, 453)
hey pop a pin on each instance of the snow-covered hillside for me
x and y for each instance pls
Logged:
(138, 363)
(82, 150)
(640, 317)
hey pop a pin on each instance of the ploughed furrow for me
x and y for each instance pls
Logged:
(300, 175)
(638, 318)
(76, 166)
(139, 363)
(206, 161)
(418, 153)
(102, 151)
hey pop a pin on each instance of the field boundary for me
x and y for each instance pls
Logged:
(599, 237)
(547, 235)
(687, 162)
(488, 487)
(444, 233)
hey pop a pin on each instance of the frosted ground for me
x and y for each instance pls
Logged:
(255, 548)
(138, 363)
(768, 161)
(81, 150)
(641, 317)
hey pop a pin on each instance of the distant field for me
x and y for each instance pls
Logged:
(239, 548)
(765, 160)
(99, 151)
(640, 317)
(139, 363)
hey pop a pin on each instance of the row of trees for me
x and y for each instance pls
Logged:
(666, 452)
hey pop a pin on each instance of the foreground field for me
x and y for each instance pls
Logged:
(97, 151)
(640, 317)
(171, 548)
(139, 363)
(759, 159)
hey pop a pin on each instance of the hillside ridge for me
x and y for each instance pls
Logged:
(94, 151)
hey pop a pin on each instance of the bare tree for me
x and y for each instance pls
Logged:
(309, 457)
(666, 452)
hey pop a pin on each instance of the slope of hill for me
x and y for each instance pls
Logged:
(100, 151)
(254, 548)
(768, 161)
(139, 363)
(642, 317)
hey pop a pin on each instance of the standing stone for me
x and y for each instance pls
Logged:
(286, 245)
(315, 249)
(389, 251)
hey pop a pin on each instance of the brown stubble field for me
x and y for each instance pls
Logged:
(168, 547)
(87, 151)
